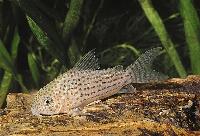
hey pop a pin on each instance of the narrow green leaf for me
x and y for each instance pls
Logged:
(72, 18)
(161, 31)
(45, 41)
(40, 35)
(47, 27)
(5, 59)
(33, 68)
(192, 32)
(4, 87)
(21, 83)
(15, 44)
(7, 64)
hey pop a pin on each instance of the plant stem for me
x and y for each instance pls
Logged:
(192, 33)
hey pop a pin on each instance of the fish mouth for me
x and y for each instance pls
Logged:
(36, 113)
(46, 114)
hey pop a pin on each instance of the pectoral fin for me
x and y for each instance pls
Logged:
(127, 89)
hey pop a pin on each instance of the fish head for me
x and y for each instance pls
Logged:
(47, 101)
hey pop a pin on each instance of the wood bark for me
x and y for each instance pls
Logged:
(167, 108)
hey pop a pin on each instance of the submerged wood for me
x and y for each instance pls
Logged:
(168, 108)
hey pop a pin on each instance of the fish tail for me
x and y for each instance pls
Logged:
(141, 71)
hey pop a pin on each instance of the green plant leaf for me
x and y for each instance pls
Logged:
(15, 44)
(7, 64)
(72, 18)
(5, 86)
(192, 33)
(5, 59)
(21, 83)
(40, 35)
(47, 27)
(34, 68)
(45, 41)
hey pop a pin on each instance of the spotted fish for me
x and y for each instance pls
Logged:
(85, 83)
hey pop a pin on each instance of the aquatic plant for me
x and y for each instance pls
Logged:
(41, 39)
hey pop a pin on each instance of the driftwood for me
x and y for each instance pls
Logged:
(168, 108)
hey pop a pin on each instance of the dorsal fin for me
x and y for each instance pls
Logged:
(88, 62)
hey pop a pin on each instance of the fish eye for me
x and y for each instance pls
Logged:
(48, 101)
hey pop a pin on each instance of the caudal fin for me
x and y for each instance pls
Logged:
(141, 71)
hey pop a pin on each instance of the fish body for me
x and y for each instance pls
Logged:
(85, 83)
